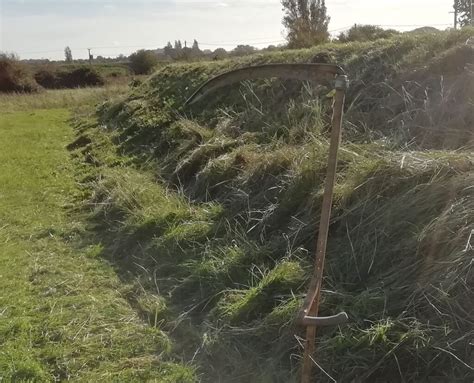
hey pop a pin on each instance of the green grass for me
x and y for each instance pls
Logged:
(64, 314)
(62, 98)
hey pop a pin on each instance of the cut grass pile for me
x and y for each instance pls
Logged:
(64, 313)
(210, 213)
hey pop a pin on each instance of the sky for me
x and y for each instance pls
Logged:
(42, 28)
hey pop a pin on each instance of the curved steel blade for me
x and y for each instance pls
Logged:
(321, 73)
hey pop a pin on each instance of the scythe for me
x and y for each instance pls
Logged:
(334, 76)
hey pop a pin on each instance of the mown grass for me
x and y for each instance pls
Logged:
(64, 313)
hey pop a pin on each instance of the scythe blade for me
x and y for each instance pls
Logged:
(320, 73)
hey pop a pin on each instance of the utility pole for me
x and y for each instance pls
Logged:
(90, 56)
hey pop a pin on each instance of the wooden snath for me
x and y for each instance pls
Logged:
(309, 314)
(333, 76)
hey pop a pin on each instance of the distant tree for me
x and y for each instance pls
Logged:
(178, 50)
(272, 48)
(219, 54)
(68, 54)
(10, 56)
(178, 46)
(365, 33)
(464, 12)
(306, 22)
(169, 50)
(195, 50)
(186, 53)
(243, 50)
(142, 61)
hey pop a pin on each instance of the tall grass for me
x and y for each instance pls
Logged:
(223, 223)
(61, 98)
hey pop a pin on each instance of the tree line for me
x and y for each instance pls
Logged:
(143, 61)
(179, 51)
(306, 23)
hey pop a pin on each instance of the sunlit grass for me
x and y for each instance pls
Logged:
(63, 314)
(58, 98)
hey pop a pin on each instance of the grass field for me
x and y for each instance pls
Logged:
(63, 314)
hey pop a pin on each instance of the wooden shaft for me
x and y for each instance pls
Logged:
(311, 304)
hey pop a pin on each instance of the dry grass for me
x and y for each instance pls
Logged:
(57, 99)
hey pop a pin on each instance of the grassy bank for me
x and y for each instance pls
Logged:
(210, 212)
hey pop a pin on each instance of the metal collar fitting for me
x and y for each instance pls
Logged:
(342, 82)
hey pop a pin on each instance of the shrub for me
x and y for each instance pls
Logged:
(47, 79)
(142, 61)
(365, 33)
(14, 76)
(76, 78)
(81, 77)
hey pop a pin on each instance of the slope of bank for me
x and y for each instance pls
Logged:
(210, 212)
